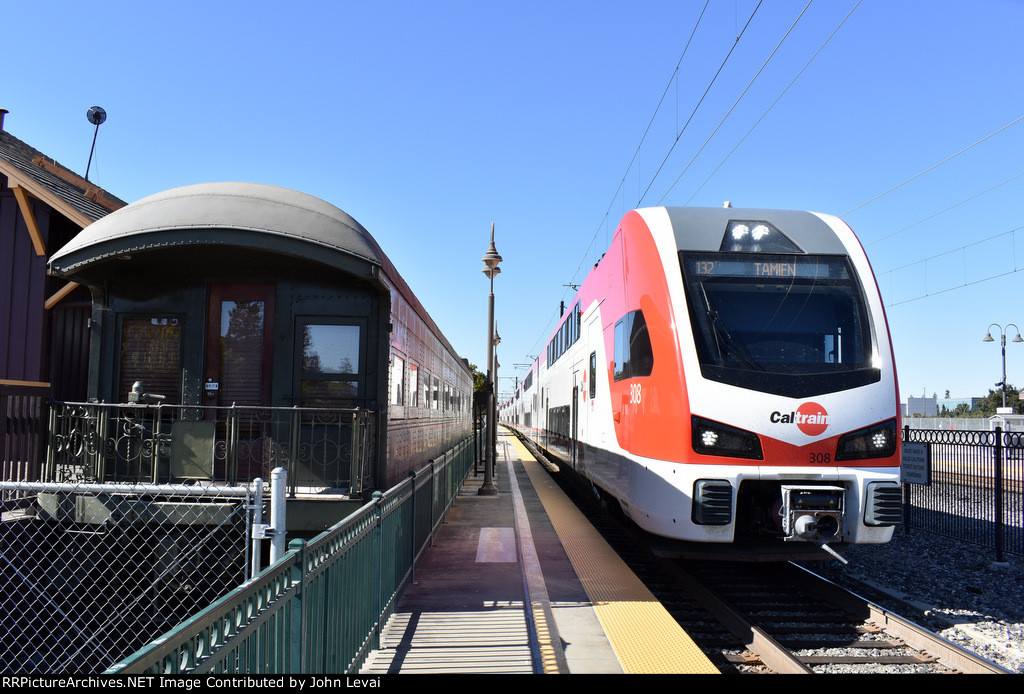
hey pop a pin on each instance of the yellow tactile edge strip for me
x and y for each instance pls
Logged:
(646, 639)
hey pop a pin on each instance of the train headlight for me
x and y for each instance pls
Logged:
(747, 236)
(713, 438)
(878, 441)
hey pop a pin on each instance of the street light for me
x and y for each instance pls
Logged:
(1002, 338)
(491, 260)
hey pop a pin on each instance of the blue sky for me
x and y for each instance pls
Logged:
(428, 121)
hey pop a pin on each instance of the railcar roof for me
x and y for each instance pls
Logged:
(278, 214)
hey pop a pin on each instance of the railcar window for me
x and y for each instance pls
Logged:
(621, 349)
(566, 335)
(634, 356)
(397, 380)
(414, 385)
(329, 363)
(641, 356)
(593, 375)
(151, 353)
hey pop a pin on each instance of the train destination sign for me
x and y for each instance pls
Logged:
(761, 266)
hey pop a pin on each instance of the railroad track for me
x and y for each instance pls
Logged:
(792, 621)
(778, 617)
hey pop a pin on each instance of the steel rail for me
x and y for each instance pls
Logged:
(916, 637)
(773, 654)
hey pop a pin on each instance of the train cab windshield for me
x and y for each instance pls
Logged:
(795, 325)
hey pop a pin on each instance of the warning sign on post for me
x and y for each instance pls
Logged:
(916, 464)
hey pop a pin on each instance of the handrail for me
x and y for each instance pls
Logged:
(324, 604)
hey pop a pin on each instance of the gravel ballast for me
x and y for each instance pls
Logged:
(948, 586)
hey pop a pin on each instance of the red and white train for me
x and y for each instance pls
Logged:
(726, 375)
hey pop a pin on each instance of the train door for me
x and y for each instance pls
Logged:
(238, 369)
(238, 344)
(573, 417)
(590, 428)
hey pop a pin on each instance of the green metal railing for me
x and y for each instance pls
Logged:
(321, 608)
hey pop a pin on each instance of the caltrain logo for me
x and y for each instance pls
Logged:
(810, 418)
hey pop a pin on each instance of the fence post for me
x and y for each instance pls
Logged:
(256, 517)
(378, 513)
(278, 519)
(296, 622)
(355, 468)
(906, 485)
(294, 442)
(413, 536)
(231, 458)
(998, 490)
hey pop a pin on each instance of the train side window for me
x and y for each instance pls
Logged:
(151, 352)
(397, 380)
(414, 385)
(622, 348)
(633, 354)
(641, 357)
(593, 375)
(328, 371)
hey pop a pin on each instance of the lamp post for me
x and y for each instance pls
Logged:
(491, 260)
(1002, 338)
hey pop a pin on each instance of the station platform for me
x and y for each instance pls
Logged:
(519, 582)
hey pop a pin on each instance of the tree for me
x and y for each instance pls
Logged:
(994, 400)
(479, 379)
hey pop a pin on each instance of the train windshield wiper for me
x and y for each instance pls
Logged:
(724, 338)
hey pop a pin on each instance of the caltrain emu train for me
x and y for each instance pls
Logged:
(726, 376)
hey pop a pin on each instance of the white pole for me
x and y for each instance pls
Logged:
(278, 525)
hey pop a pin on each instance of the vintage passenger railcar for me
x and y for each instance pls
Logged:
(265, 298)
(726, 376)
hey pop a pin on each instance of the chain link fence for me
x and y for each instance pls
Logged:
(91, 572)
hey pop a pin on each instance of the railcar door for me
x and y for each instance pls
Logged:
(238, 370)
(238, 345)
(573, 414)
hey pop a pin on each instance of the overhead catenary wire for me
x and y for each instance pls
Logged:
(965, 283)
(770, 107)
(643, 138)
(947, 209)
(701, 100)
(679, 132)
(622, 182)
(729, 112)
(933, 166)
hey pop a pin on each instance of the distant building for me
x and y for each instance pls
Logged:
(947, 406)
(44, 336)
(920, 407)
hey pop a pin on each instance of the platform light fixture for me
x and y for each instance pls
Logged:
(491, 260)
(1002, 339)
